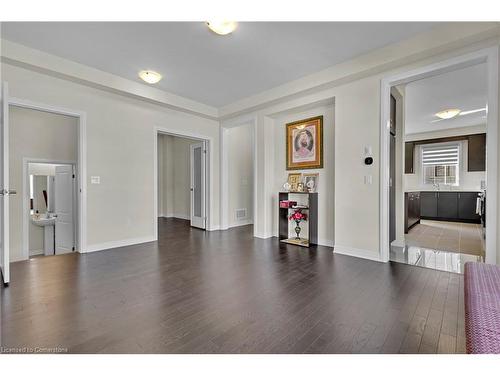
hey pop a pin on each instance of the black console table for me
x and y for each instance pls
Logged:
(309, 204)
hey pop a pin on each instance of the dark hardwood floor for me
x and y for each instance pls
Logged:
(227, 292)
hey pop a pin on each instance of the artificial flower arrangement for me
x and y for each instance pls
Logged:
(298, 216)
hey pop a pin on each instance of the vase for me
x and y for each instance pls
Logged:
(297, 229)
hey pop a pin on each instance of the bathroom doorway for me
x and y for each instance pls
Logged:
(50, 208)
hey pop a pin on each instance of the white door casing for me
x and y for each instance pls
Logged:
(198, 185)
(4, 184)
(64, 190)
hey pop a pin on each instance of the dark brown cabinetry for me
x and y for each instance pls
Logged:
(476, 155)
(409, 150)
(449, 205)
(412, 210)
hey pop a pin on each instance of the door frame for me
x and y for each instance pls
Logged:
(488, 56)
(81, 163)
(209, 167)
(25, 197)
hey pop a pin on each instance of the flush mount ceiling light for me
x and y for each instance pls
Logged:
(448, 114)
(222, 27)
(150, 76)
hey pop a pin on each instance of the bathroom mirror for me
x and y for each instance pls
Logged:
(40, 189)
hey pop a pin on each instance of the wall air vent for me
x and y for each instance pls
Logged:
(241, 213)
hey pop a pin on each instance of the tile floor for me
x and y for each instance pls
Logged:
(448, 236)
(441, 245)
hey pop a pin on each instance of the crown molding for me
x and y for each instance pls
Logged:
(25, 57)
(438, 40)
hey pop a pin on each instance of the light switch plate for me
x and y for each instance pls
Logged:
(95, 180)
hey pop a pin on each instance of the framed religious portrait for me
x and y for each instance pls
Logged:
(304, 144)
(294, 179)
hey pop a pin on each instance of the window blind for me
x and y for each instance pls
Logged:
(440, 155)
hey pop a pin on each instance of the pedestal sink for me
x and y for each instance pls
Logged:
(48, 224)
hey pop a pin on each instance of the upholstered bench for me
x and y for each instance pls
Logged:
(482, 307)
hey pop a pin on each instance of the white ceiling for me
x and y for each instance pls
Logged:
(465, 89)
(211, 69)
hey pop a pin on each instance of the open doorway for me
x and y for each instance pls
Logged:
(50, 208)
(182, 180)
(438, 170)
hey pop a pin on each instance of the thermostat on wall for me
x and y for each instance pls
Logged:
(95, 179)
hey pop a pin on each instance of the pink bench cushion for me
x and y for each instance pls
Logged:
(482, 307)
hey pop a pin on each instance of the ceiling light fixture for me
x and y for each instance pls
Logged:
(448, 114)
(222, 27)
(150, 76)
(463, 113)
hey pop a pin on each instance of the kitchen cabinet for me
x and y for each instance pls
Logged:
(467, 206)
(449, 205)
(428, 204)
(412, 210)
(476, 155)
(409, 150)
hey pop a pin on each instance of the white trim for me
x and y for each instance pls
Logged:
(120, 243)
(358, 253)
(25, 201)
(81, 162)
(241, 223)
(36, 252)
(488, 55)
(209, 201)
(181, 216)
(443, 39)
(49, 64)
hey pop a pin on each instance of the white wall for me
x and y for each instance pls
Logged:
(175, 182)
(357, 124)
(41, 135)
(120, 149)
(240, 173)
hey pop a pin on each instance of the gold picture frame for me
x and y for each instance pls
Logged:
(304, 144)
(294, 179)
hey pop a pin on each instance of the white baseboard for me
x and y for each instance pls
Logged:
(358, 253)
(177, 216)
(240, 223)
(213, 227)
(263, 235)
(119, 243)
(36, 252)
(181, 216)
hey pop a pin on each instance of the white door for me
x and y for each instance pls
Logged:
(65, 226)
(198, 181)
(4, 184)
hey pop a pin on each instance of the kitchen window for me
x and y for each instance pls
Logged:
(440, 164)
